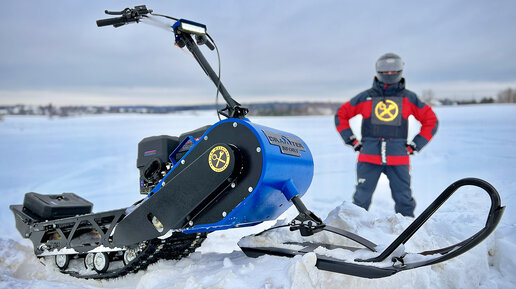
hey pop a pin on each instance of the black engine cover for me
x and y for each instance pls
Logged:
(153, 154)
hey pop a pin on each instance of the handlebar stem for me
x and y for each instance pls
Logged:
(235, 110)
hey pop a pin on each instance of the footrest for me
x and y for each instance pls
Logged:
(51, 207)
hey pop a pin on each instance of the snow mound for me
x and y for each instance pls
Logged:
(19, 268)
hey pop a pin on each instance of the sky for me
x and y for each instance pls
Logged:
(53, 52)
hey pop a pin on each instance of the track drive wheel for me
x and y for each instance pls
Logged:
(101, 262)
(88, 261)
(130, 255)
(62, 261)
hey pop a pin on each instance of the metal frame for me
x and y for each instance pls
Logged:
(103, 223)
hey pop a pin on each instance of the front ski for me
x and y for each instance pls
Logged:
(391, 260)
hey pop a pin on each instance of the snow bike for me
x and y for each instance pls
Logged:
(232, 174)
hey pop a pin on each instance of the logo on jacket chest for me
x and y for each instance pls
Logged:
(387, 111)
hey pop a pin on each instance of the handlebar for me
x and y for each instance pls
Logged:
(128, 15)
(183, 30)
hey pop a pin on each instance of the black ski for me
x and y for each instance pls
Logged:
(364, 268)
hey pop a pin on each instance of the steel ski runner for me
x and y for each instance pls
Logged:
(232, 174)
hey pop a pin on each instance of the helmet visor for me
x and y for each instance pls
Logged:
(389, 64)
(389, 77)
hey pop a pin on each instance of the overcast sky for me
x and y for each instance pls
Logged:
(53, 52)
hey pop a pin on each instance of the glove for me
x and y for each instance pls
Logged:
(357, 145)
(411, 148)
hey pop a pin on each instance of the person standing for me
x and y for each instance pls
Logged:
(384, 147)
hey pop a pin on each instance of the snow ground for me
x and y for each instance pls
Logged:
(95, 157)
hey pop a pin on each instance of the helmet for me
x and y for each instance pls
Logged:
(389, 62)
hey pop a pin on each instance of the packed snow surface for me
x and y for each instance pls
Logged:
(95, 157)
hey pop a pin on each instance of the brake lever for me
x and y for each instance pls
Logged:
(137, 11)
(116, 12)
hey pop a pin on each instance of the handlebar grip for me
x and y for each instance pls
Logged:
(210, 46)
(111, 21)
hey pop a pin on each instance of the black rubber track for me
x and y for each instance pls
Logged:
(174, 248)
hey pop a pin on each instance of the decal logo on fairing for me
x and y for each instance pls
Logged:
(386, 111)
(219, 159)
(288, 145)
(149, 153)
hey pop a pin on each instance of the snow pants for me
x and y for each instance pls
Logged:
(399, 181)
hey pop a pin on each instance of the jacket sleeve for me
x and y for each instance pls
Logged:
(344, 114)
(429, 123)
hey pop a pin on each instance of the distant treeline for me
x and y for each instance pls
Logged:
(505, 96)
(255, 109)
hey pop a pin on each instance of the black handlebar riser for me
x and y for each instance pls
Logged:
(111, 21)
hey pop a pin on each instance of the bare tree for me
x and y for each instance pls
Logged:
(428, 96)
(507, 96)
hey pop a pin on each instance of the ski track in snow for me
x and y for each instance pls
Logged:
(95, 156)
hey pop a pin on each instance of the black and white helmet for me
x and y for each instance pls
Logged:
(389, 68)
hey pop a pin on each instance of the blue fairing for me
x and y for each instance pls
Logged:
(283, 176)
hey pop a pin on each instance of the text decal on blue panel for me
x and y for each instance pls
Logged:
(288, 145)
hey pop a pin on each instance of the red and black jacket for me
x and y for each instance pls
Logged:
(385, 110)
